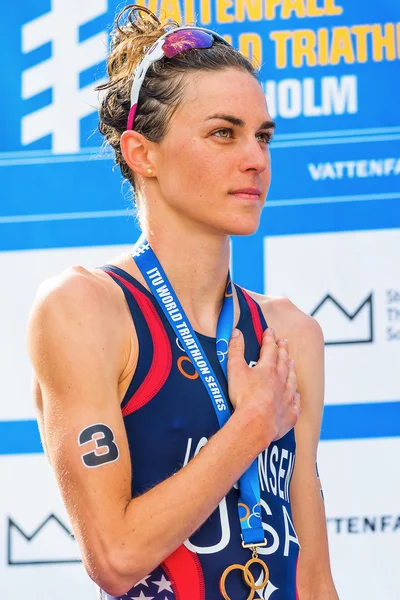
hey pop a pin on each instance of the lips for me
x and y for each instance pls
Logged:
(249, 192)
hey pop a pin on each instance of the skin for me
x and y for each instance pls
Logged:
(84, 348)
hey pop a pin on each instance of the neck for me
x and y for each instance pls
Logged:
(196, 263)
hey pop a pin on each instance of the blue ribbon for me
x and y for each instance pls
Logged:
(249, 506)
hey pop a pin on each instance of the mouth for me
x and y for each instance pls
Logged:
(247, 193)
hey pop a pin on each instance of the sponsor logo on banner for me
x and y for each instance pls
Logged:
(364, 524)
(51, 542)
(348, 281)
(354, 169)
(393, 315)
(342, 326)
(363, 518)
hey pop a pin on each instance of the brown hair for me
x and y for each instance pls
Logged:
(136, 28)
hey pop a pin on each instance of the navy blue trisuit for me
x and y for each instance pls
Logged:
(169, 417)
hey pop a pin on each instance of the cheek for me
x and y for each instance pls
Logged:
(192, 165)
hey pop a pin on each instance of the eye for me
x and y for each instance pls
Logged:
(265, 137)
(224, 133)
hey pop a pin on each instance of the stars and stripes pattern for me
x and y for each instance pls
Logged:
(152, 587)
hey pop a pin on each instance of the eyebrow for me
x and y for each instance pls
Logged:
(240, 123)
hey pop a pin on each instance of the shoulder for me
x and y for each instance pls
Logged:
(74, 306)
(289, 321)
(74, 281)
(74, 290)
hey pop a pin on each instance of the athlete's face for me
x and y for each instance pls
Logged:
(217, 145)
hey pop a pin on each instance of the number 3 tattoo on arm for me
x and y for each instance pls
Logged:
(106, 450)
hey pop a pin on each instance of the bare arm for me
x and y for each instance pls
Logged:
(314, 573)
(314, 578)
(76, 352)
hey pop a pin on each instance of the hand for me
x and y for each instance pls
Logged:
(267, 391)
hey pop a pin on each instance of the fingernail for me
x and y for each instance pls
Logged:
(285, 342)
(271, 331)
(292, 362)
(235, 333)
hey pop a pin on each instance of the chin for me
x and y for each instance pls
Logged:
(243, 225)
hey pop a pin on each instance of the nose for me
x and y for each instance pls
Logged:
(255, 156)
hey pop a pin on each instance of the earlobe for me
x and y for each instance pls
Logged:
(134, 148)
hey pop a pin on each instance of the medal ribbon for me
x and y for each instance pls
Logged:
(249, 506)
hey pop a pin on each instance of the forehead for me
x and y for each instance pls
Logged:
(229, 91)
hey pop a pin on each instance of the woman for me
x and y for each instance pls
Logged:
(130, 380)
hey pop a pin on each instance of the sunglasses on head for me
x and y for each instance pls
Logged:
(170, 44)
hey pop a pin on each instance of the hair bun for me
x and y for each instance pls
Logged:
(132, 17)
(136, 28)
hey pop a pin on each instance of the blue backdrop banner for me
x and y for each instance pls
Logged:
(329, 239)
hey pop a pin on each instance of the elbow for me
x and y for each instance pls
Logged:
(113, 588)
(113, 585)
(114, 572)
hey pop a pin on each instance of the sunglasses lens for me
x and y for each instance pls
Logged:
(186, 40)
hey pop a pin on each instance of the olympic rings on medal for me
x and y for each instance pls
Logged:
(222, 587)
(248, 576)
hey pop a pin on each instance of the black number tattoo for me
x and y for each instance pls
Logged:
(106, 449)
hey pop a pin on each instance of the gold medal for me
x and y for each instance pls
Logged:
(223, 579)
(248, 576)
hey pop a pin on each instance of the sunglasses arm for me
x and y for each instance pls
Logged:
(140, 74)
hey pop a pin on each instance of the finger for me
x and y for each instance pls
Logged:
(297, 403)
(283, 361)
(236, 349)
(291, 384)
(269, 348)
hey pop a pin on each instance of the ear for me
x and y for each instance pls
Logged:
(135, 149)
